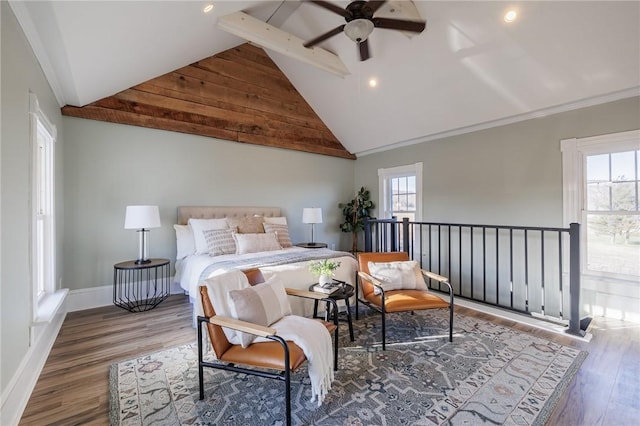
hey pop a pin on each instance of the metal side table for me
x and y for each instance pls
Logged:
(141, 287)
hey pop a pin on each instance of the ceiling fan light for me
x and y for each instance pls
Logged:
(358, 30)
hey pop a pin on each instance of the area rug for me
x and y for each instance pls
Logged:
(490, 374)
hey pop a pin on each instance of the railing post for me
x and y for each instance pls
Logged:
(393, 230)
(367, 235)
(405, 234)
(574, 280)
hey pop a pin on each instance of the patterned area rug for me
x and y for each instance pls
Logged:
(488, 375)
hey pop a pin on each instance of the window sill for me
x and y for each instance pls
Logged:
(49, 306)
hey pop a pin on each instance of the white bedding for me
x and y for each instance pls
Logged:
(295, 275)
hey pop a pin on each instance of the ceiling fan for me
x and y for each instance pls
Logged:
(361, 22)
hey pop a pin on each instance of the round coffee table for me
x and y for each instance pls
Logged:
(344, 293)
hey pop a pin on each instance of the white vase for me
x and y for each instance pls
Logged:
(325, 279)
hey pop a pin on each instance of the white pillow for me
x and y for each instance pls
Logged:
(262, 304)
(281, 231)
(220, 241)
(398, 275)
(184, 241)
(198, 226)
(278, 220)
(253, 243)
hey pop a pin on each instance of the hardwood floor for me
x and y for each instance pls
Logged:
(73, 388)
(74, 385)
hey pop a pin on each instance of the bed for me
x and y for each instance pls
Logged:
(212, 240)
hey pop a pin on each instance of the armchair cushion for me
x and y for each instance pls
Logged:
(397, 275)
(262, 304)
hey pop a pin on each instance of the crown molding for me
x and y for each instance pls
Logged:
(33, 36)
(544, 112)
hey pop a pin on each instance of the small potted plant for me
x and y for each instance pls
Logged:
(324, 269)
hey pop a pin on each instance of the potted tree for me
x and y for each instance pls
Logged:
(355, 212)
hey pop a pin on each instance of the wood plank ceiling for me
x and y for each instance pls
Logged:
(238, 95)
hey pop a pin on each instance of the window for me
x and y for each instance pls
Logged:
(611, 213)
(401, 192)
(43, 136)
(602, 190)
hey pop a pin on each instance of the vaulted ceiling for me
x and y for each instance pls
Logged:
(468, 70)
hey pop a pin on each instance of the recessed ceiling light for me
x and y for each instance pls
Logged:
(510, 16)
(208, 8)
(373, 82)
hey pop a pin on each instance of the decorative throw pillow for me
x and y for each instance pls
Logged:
(253, 243)
(398, 275)
(262, 304)
(277, 220)
(247, 224)
(220, 241)
(281, 231)
(198, 226)
(185, 245)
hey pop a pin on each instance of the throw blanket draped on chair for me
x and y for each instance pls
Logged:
(310, 335)
(315, 341)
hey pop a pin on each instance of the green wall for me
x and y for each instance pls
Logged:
(21, 74)
(508, 175)
(109, 166)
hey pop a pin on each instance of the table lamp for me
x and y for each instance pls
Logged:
(312, 215)
(142, 218)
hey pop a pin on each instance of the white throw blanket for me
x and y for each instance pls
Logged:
(315, 341)
(310, 335)
(218, 287)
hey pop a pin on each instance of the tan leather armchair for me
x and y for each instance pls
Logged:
(280, 355)
(397, 300)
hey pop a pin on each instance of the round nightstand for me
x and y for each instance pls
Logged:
(345, 293)
(140, 287)
(312, 245)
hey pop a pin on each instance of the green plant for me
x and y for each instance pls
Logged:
(324, 267)
(355, 212)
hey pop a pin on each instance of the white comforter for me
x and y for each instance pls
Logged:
(295, 275)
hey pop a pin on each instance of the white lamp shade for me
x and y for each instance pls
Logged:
(142, 217)
(312, 215)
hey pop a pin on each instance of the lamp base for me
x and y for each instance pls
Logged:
(143, 250)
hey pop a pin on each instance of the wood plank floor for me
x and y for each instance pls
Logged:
(74, 385)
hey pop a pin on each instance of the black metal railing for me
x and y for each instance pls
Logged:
(531, 270)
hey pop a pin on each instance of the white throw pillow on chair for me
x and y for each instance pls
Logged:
(399, 275)
(261, 304)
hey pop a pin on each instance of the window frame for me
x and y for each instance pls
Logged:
(45, 302)
(385, 192)
(574, 163)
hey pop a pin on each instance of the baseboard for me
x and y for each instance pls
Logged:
(18, 391)
(521, 318)
(97, 297)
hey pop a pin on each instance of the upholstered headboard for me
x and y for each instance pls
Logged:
(214, 212)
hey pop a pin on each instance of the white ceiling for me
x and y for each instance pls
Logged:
(468, 70)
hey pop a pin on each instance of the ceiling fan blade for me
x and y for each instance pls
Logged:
(363, 46)
(323, 37)
(375, 4)
(332, 7)
(399, 24)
